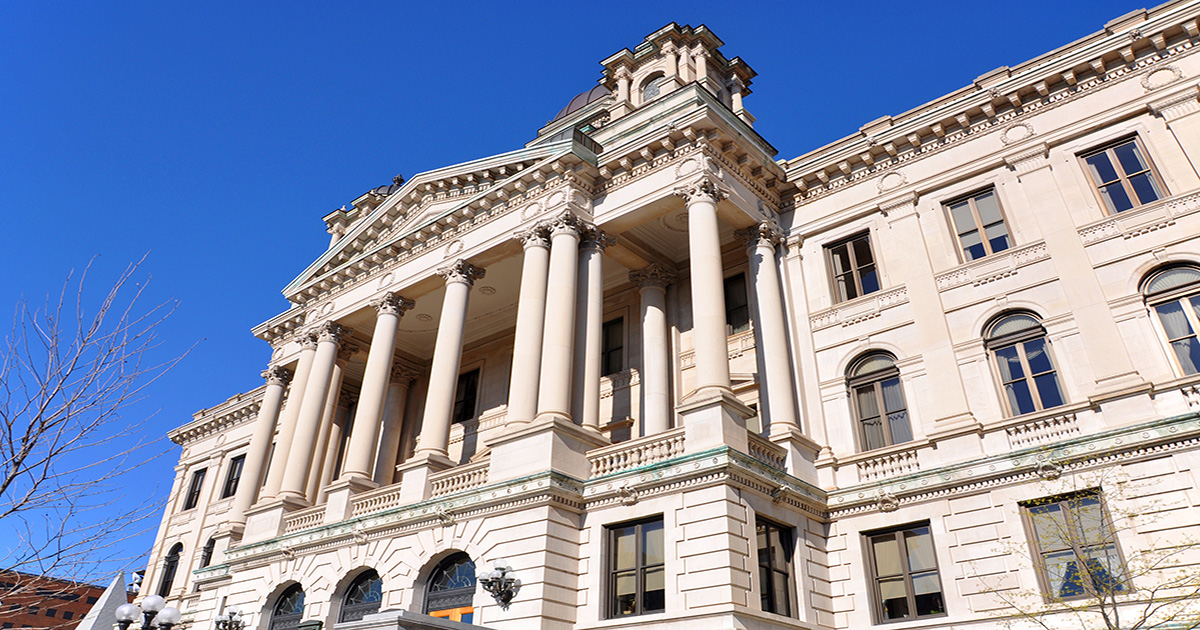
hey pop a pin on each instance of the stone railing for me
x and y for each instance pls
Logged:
(459, 479)
(376, 500)
(767, 452)
(888, 465)
(1042, 431)
(738, 343)
(634, 453)
(304, 519)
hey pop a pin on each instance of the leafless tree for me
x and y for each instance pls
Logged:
(69, 371)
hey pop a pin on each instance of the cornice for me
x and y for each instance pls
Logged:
(238, 409)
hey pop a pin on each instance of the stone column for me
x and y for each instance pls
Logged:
(701, 56)
(778, 400)
(531, 319)
(708, 287)
(623, 80)
(337, 429)
(447, 354)
(295, 476)
(287, 418)
(393, 420)
(652, 282)
(558, 341)
(321, 450)
(371, 400)
(260, 443)
(589, 324)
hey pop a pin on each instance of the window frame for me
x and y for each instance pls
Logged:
(1182, 295)
(1018, 339)
(233, 476)
(876, 378)
(855, 268)
(787, 538)
(289, 620)
(748, 324)
(473, 412)
(1037, 552)
(606, 351)
(1122, 178)
(639, 569)
(195, 489)
(979, 227)
(355, 611)
(876, 596)
(170, 570)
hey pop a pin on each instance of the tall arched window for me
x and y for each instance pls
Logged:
(652, 89)
(1026, 370)
(1174, 294)
(170, 564)
(289, 609)
(878, 399)
(206, 553)
(451, 589)
(363, 597)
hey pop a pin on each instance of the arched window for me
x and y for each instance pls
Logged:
(1174, 294)
(363, 597)
(1026, 370)
(652, 89)
(206, 553)
(289, 608)
(170, 564)
(878, 399)
(451, 589)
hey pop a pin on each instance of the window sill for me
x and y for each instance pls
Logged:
(859, 309)
(990, 268)
(1140, 220)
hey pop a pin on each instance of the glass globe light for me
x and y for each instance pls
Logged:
(153, 603)
(168, 617)
(128, 612)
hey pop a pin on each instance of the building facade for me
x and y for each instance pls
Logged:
(673, 381)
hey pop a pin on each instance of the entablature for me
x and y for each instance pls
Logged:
(234, 411)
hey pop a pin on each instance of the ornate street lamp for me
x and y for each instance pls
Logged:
(499, 582)
(232, 620)
(153, 611)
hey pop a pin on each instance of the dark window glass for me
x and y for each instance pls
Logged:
(1174, 293)
(50, 612)
(979, 225)
(465, 394)
(613, 346)
(1074, 544)
(68, 615)
(1024, 365)
(852, 266)
(289, 608)
(193, 493)
(1122, 175)
(234, 476)
(737, 305)
(904, 572)
(170, 564)
(451, 589)
(775, 567)
(878, 402)
(363, 597)
(206, 553)
(636, 569)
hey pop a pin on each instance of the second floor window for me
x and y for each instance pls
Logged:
(1074, 546)
(852, 267)
(737, 304)
(194, 488)
(234, 476)
(466, 394)
(1123, 176)
(613, 351)
(1174, 294)
(979, 225)
(637, 580)
(1027, 374)
(904, 574)
(878, 401)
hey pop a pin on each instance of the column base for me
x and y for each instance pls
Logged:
(415, 473)
(802, 452)
(338, 494)
(264, 521)
(712, 418)
(550, 442)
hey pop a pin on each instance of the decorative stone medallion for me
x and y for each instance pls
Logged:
(1161, 77)
(891, 181)
(1016, 133)
(454, 247)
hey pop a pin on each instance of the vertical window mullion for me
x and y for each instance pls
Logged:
(983, 237)
(1037, 396)
(883, 419)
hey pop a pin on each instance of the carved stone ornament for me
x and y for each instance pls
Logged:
(278, 376)
(1048, 471)
(288, 553)
(444, 516)
(345, 351)
(628, 494)
(780, 494)
(565, 223)
(1016, 132)
(652, 276)
(331, 332)
(461, 271)
(887, 502)
(596, 239)
(537, 236)
(1160, 77)
(404, 374)
(308, 341)
(703, 189)
(765, 234)
(347, 399)
(393, 304)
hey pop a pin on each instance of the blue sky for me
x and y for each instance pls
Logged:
(215, 135)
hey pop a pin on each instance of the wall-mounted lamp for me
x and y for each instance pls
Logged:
(153, 611)
(232, 620)
(499, 582)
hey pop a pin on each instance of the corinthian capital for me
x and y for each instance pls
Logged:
(308, 341)
(702, 189)
(537, 236)
(278, 376)
(332, 332)
(393, 304)
(404, 374)
(345, 351)
(597, 239)
(765, 234)
(461, 271)
(565, 223)
(652, 276)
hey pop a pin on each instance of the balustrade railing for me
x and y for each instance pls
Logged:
(767, 452)
(459, 479)
(304, 519)
(634, 453)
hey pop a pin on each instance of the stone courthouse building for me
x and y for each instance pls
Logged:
(667, 379)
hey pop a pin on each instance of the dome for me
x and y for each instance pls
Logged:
(581, 100)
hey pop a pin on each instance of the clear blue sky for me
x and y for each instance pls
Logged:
(215, 135)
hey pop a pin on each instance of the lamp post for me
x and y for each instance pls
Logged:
(231, 620)
(153, 611)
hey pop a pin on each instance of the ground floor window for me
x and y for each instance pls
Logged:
(904, 573)
(636, 568)
(451, 589)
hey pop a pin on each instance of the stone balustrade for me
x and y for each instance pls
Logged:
(458, 479)
(304, 519)
(635, 453)
(767, 452)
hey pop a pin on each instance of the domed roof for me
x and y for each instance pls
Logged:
(581, 100)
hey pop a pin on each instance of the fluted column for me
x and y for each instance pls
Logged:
(287, 419)
(295, 477)
(652, 282)
(558, 341)
(393, 420)
(708, 287)
(447, 355)
(324, 434)
(779, 399)
(260, 443)
(531, 320)
(371, 400)
(589, 324)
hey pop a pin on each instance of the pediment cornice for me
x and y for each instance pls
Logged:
(238, 409)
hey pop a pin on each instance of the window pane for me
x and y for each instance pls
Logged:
(1116, 198)
(1048, 391)
(1087, 520)
(1188, 353)
(1174, 320)
(1145, 187)
(1103, 567)
(989, 210)
(1019, 397)
(868, 403)
(1009, 364)
(1049, 526)
(782, 599)
(895, 600)
(840, 256)
(1064, 574)
(656, 590)
(997, 235)
(919, 545)
(862, 252)
(779, 558)
(964, 220)
(652, 543)
(625, 554)
(1035, 353)
(887, 556)
(972, 245)
(625, 588)
(870, 281)
(1101, 168)
(1130, 158)
(846, 288)
(893, 396)
(898, 424)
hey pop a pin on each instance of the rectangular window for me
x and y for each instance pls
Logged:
(852, 267)
(737, 305)
(775, 567)
(904, 574)
(613, 350)
(1122, 175)
(193, 495)
(68, 615)
(1074, 546)
(465, 394)
(234, 476)
(979, 224)
(51, 612)
(637, 579)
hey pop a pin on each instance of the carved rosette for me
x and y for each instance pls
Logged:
(404, 374)
(278, 376)
(537, 236)
(393, 304)
(652, 276)
(596, 239)
(331, 332)
(564, 223)
(461, 271)
(765, 234)
(703, 189)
